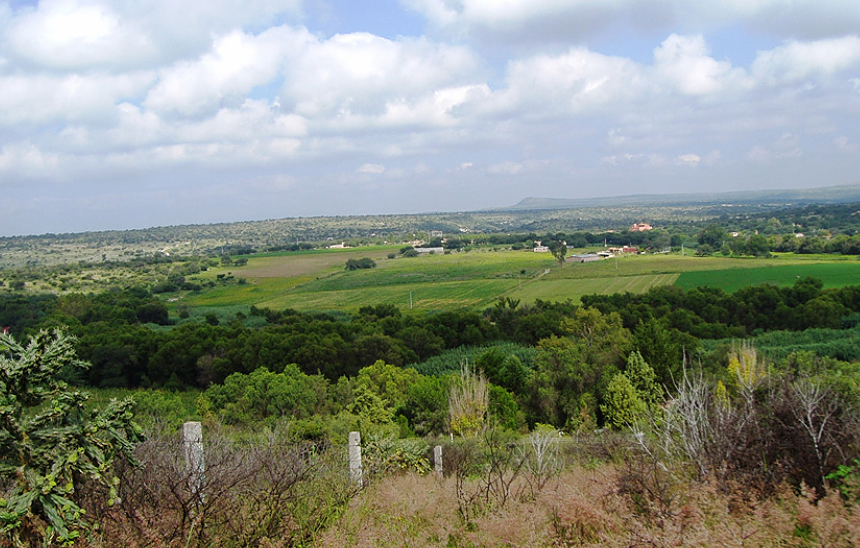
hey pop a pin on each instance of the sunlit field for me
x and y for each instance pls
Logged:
(318, 280)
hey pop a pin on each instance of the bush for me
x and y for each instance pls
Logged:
(49, 445)
(260, 492)
(359, 264)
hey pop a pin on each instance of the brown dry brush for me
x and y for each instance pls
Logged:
(784, 430)
(268, 494)
(585, 507)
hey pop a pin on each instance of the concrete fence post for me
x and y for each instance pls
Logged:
(437, 459)
(355, 457)
(192, 438)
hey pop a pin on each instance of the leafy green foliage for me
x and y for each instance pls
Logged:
(261, 395)
(49, 441)
(623, 407)
(846, 479)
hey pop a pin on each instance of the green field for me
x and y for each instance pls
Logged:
(833, 274)
(317, 280)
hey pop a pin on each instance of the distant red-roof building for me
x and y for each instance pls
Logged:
(640, 227)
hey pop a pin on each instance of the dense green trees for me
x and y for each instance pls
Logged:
(559, 366)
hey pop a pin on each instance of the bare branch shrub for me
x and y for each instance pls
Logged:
(264, 492)
(486, 471)
(541, 457)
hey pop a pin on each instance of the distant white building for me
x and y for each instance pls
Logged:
(540, 248)
(587, 258)
(341, 245)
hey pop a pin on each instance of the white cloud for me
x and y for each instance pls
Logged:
(577, 81)
(73, 34)
(691, 160)
(553, 20)
(685, 63)
(44, 99)
(183, 94)
(26, 160)
(374, 169)
(362, 74)
(237, 63)
(797, 61)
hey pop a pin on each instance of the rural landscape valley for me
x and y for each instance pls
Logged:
(429, 274)
(650, 374)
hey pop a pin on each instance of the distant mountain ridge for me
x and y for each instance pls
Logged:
(829, 194)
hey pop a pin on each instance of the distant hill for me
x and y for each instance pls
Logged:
(829, 194)
(537, 215)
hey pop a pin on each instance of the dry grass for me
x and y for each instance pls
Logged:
(587, 508)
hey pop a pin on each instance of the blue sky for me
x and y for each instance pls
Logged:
(126, 114)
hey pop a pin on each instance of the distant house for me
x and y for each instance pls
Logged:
(539, 248)
(630, 249)
(435, 233)
(587, 258)
(341, 245)
(640, 227)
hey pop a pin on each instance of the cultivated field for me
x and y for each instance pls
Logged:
(317, 280)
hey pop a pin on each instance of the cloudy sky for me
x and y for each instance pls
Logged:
(135, 113)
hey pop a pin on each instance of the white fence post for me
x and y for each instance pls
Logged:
(192, 437)
(355, 457)
(437, 459)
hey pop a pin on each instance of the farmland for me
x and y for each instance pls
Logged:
(317, 280)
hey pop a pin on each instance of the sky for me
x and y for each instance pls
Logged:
(130, 114)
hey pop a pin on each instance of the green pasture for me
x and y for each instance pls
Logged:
(318, 281)
(833, 274)
(573, 289)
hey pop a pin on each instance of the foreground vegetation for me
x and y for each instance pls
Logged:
(677, 397)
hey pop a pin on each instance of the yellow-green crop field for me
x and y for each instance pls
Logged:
(318, 281)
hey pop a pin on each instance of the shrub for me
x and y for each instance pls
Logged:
(358, 264)
(49, 443)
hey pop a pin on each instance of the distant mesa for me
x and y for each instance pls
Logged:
(805, 196)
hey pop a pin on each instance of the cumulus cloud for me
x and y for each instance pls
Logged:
(685, 64)
(46, 98)
(26, 160)
(798, 61)
(551, 20)
(358, 74)
(74, 34)
(236, 64)
(192, 94)
(577, 81)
